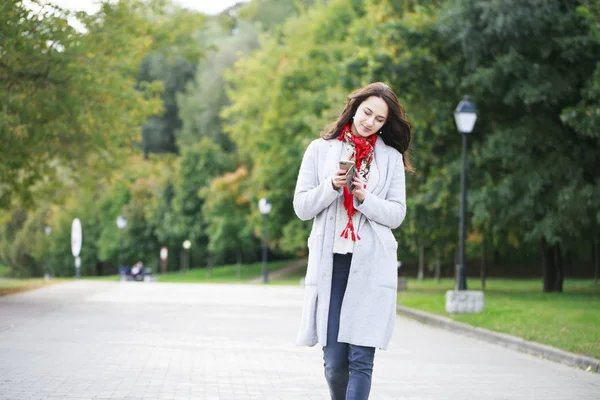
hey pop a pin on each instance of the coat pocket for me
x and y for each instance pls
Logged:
(314, 256)
(307, 334)
(388, 268)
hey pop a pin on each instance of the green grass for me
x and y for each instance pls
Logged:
(222, 274)
(568, 320)
(21, 285)
(4, 270)
(218, 274)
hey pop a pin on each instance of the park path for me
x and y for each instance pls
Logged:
(135, 340)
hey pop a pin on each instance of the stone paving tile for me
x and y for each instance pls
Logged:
(158, 341)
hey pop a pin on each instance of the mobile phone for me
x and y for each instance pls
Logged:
(350, 178)
(346, 164)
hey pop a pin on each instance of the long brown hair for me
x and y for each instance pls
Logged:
(396, 130)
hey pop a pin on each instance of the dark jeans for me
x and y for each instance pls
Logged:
(348, 368)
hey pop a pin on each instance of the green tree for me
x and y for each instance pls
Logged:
(69, 97)
(226, 211)
(197, 167)
(158, 133)
(526, 64)
(204, 98)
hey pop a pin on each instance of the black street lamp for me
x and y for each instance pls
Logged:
(465, 117)
(47, 269)
(121, 224)
(264, 206)
(186, 259)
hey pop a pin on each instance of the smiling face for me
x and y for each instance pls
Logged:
(370, 116)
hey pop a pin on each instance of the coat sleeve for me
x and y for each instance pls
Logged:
(390, 211)
(310, 196)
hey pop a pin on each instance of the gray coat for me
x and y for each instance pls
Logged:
(368, 311)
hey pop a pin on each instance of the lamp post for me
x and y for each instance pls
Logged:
(465, 117)
(186, 246)
(121, 224)
(47, 231)
(264, 206)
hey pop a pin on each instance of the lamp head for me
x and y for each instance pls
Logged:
(121, 222)
(264, 206)
(465, 116)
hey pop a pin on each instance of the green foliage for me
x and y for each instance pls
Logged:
(544, 177)
(198, 165)
(226, 210)
(584, 118)
(249, 90)
(67, 95)
(158, 133)
(203, 99)
(269, 15)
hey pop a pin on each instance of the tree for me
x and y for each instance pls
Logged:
(198, 165)
(226, 211)
(526, 63)
(70, 97)
(204, 98)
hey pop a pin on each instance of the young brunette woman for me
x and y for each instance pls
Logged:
(350, 299)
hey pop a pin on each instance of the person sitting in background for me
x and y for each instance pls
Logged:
(137, 269)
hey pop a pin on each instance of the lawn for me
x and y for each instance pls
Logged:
(218, 274)
(568, 320)
(11, 286)
(222, 274)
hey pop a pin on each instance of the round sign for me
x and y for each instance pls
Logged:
(76, 237)
(163, 253)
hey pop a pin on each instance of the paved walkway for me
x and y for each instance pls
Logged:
(133, 340)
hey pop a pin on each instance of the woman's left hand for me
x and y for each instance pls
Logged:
(360, 188)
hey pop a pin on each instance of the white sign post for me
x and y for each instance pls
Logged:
(164, 253)
(76, 240)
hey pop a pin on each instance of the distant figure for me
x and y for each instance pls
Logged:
(137, 269)
(351, 184)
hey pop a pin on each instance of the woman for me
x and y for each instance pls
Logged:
(350, 300)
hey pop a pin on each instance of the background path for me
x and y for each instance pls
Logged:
(134, 340)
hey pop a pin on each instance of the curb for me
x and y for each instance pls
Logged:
(513, 342)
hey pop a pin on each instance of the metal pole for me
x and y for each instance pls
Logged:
(462, 281)
(265, 274)
(120, 250)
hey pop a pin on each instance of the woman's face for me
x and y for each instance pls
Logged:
(370, 116)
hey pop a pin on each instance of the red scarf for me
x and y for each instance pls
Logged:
(362, 154)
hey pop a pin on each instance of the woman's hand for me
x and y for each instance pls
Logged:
(360, 188)
(338, 180)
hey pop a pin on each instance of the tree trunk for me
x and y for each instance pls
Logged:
(483, 264)
(238, 255)
(596, 259)
(553, 273)
(560, 268)
(420, 274)
(209, 262)
(438, 270)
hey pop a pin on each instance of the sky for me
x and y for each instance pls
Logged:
(205, 6)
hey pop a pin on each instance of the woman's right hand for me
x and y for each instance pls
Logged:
(338, 180)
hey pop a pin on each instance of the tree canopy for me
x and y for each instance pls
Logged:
(232, 102)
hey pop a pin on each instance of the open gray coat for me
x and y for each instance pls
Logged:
(368, 311)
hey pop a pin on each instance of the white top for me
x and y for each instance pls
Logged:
(342, 245)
